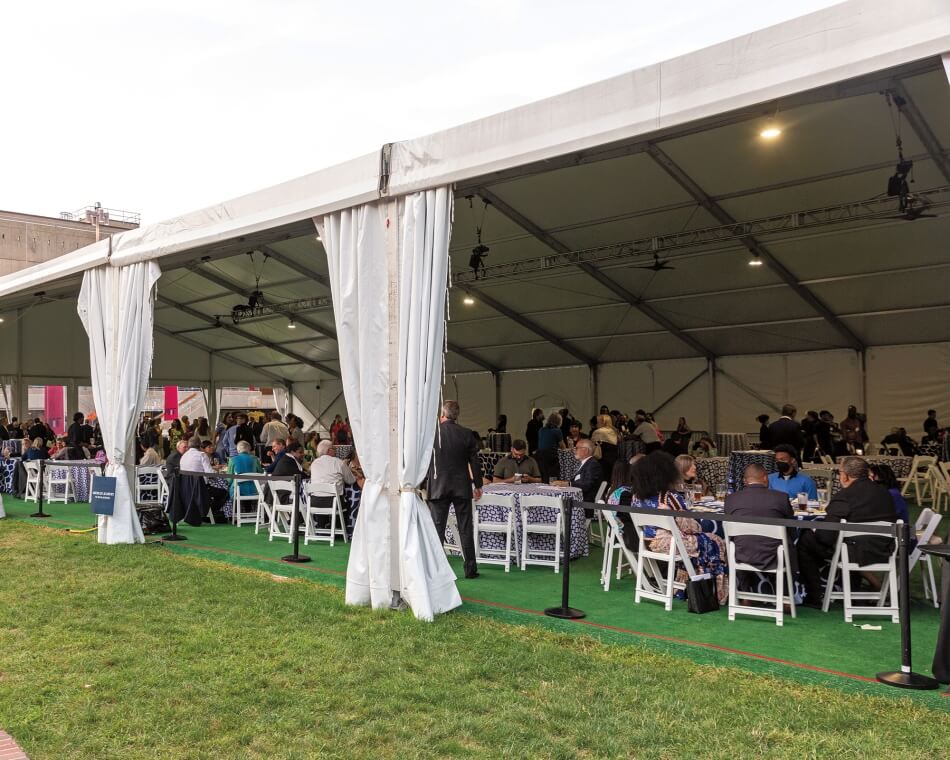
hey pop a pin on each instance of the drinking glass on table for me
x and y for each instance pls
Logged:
(802, 499)
(517, 478)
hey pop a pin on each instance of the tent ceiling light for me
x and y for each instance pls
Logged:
(770, 132)
(291, 325)
(468, 301)
(755, 261)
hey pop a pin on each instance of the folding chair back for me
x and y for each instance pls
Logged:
(542, 527)
(842, 561)
(334, 512)
(784, 590)
(148, 490)
(483, 523)
(282, 515)
(677, 553)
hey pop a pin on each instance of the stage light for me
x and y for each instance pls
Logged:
(770, 132)
(468, 301)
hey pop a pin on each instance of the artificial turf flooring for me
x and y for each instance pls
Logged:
(815, 648)
(135, 652)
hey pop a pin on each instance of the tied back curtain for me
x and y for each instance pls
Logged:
(354, 240)
(116, 309)
(428, 583)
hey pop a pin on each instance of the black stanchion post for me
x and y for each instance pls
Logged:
(296, 557)
(39, 493)
(905, 678)
(174, 535)
(565, 611)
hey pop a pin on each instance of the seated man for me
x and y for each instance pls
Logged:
(859, 501)
(517, 467)
(328, 468)
(197, 459)
(758, 500)
(787, 478)
(277, 453)
(173, 462)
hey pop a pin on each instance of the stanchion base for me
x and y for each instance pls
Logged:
(565, 613)
(903, 680)
(295, 558)
(174, 537)
(41, 514)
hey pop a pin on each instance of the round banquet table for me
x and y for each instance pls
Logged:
(579, 543)
(900, 466)
(713, 471)
(567, 464)
(739, 460)
(8, 473)
(81, 475)
(343, 451)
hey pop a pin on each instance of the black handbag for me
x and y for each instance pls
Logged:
(701, 594)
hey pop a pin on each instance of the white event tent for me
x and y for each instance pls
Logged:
(576, 196)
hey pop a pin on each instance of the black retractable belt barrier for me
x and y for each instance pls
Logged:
(174, 535)
(565, 611)
(39, 495)
(296, 557)
(905, 678)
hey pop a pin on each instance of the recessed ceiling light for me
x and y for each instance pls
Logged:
(468, 300)
(292, 325)
(770, 132)
(755, 261)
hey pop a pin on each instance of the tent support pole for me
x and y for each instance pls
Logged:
(713, 416)
(392, 257)
(212, 394)
(594, 385)
(497, 378)
(20, 398)
(863, 369)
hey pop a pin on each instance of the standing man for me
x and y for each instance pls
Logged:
(454, 473)
(853, 429)
(931, 426)
(274, 430)
(786, 430)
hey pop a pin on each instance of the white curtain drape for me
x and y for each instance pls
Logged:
(282, 401)
(361, 267)
(116, 308)
(354, 240)
(428, 583)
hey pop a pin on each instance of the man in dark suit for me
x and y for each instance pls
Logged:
(758, 500)
(453, 472)
(589, 474)
(859, 501)
(787, 430)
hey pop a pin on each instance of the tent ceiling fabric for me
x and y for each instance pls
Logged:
(882, 281)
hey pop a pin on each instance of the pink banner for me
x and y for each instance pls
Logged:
(171, 402)
(55, 407)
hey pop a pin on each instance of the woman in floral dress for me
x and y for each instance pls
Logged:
(654, 481)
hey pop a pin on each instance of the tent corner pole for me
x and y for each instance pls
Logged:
(713, 411)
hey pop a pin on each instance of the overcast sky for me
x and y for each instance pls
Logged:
(164, 107)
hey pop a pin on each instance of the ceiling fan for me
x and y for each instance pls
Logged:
(657, 265)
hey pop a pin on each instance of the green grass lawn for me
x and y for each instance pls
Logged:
(136, 652)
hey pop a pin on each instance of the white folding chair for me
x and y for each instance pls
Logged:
(826, 459)
(506, 527)
(940, 485)
(841, 561)
(535, 528)
(59, 485)
(918, 478)
(924, 528)
(32, 481)
(334, 512)
(162, 488)
(616, 549)
(282, 515)
(265, 512)
(598, 534)
(784, 590)
(245, 507)
(664, 588)
(148, 490)
(892, 449)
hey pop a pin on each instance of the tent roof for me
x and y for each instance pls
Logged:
(653, 155)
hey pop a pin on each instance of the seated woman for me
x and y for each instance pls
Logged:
(687, 469)
(150, 458)
(704, 448)
(244, 461)
(884, 476)
(609, 439)
(37, 450)
(654, 483)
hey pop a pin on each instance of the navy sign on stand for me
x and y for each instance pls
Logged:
(103, 495)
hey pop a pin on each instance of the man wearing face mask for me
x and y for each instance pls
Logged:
(787, 478)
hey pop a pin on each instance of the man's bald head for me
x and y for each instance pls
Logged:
(755, 474)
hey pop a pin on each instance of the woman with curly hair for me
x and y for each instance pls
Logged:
(654, 480)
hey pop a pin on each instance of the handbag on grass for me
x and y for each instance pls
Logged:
(701, 594)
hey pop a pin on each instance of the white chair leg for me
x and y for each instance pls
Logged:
(733, 602)
(524, 540)
(933, 581)
(779, 588)
(557, 546)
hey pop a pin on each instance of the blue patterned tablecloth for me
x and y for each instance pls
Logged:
(739, 460)
(81, 476)
(7, 473)
(543, 542)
